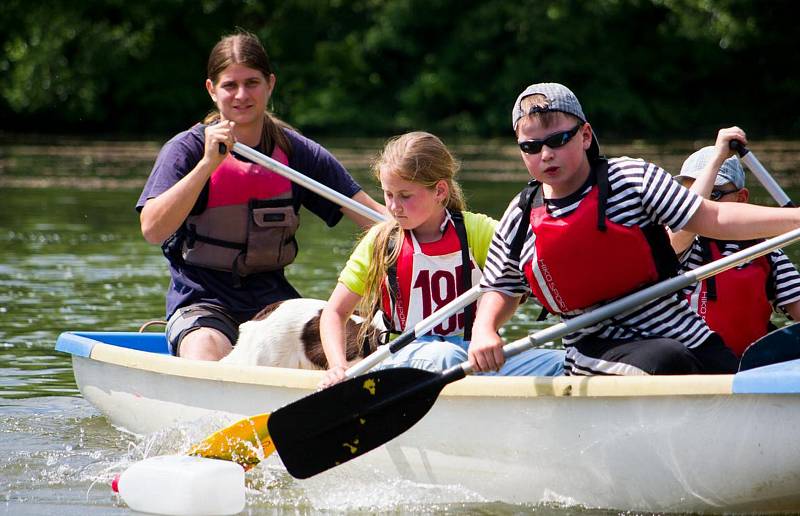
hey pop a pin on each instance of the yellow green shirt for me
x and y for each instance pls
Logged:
(480, 229)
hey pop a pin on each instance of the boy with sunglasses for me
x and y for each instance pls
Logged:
(589, 230)
(737, 303)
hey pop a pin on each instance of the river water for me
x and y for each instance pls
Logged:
(72, 258)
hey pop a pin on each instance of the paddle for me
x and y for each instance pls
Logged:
(306, 182)
(248, 440)
(784, 343)
(776, 346)
(351, 418)
(242, 440)
(302, 180)
(761, 173)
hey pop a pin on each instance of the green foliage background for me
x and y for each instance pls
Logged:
(642, 68)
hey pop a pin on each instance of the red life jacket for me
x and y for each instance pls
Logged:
(734, 303)
(447, 277)
(583, 258)
(248, 224)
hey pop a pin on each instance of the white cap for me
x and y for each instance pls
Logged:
(731, 170)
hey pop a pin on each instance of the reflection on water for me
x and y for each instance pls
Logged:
(72, 258)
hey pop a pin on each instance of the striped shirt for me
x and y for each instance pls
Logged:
(784, 278)
(641, 194)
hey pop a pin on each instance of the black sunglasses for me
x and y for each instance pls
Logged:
(719, 194)
(553, 141)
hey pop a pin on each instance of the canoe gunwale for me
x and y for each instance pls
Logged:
(473, 386)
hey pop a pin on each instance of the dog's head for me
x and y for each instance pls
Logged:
(355, 348)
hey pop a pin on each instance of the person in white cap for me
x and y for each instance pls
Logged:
(737, 303)
(588, 230)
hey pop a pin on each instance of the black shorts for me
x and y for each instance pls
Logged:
(200, 315)
(650, 356)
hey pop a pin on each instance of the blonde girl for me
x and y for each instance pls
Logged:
(430, 251)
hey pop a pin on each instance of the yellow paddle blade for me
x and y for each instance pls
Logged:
(239, 442)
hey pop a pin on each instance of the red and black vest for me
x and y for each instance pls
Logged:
(582, 259)
(409, 295)
(734, 303)
(248, 223)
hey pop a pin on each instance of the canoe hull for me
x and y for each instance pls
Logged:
(619, 444)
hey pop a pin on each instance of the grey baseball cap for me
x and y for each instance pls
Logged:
(731, 170)
(559, 98)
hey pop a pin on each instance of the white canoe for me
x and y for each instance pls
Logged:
(682, 443)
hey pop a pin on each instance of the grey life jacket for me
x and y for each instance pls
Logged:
(248, 224)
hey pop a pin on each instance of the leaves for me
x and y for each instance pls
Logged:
(663, 67)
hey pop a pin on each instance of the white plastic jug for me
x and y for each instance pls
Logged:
(183, 485)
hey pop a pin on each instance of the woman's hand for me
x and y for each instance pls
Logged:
(161, 216)
(219, 133)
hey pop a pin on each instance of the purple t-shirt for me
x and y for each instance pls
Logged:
(192, 284)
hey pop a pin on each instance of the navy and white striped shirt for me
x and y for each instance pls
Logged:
(784, 278)
(641, 194)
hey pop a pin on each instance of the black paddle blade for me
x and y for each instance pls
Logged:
(349, 419)
(776, 346)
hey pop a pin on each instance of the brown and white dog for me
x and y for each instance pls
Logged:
(286, 334)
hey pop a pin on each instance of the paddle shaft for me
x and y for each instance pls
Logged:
(636, 299)
(337, 424)
(221, 444)
(761, 174)
(306, 182)
(421, 328)
(364, 413)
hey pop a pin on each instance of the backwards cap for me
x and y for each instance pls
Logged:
(558, 98)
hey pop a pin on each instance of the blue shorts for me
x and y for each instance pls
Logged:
(438, 354)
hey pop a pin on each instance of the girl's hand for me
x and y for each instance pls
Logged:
(216, 135)
(333, 376)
